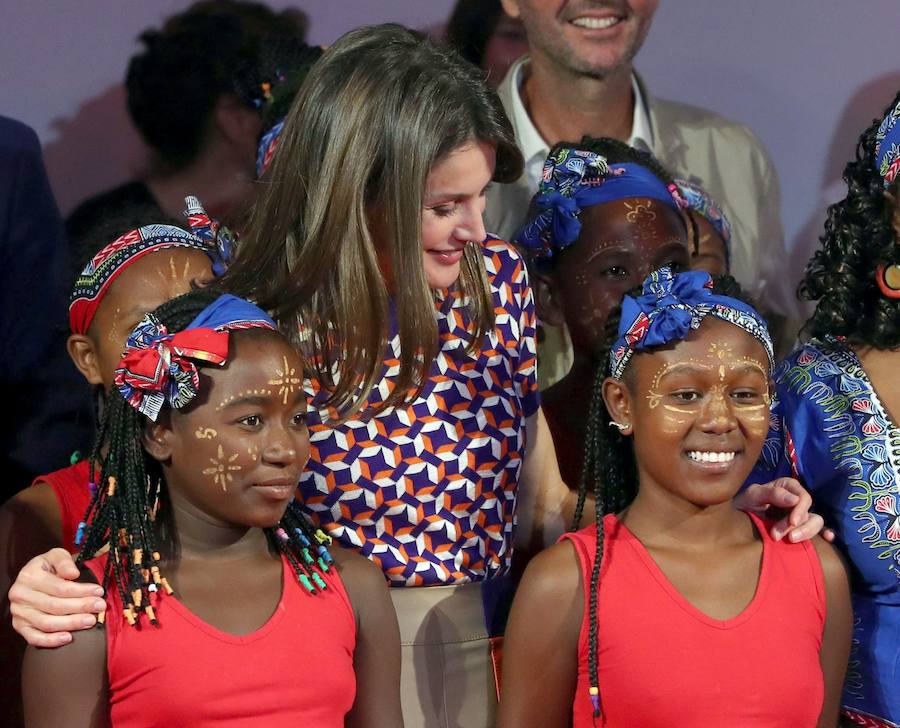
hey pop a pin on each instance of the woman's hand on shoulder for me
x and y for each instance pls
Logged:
(542, 634)
(47, 603)
(789, 502)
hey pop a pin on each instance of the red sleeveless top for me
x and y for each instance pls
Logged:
(297, 669)
(70, 486)
(662, 662)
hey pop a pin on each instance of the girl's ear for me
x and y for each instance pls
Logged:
(158, 438)
(81, 351)
(618, 403)
(548, 303)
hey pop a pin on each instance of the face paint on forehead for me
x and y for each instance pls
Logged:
(286, 380)
(240, 395)
(639, 211)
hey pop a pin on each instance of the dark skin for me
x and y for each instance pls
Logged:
(621, 243)
(682, 515)
(710, 254)
(30, 521)
(231, 463)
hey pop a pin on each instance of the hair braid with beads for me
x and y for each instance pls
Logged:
(610, 470)
(129, 492)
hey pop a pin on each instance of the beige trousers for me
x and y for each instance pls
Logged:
(447, 676)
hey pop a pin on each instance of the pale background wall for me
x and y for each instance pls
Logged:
(806, 75)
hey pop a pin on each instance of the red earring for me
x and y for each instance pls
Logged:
(888, 279)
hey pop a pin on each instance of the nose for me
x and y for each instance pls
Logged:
(471, 227)
(281, 448)
(717, 416)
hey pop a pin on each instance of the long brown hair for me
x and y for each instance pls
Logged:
(380, 108)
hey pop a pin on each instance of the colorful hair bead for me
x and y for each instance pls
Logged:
(319, 581)
(79, 533)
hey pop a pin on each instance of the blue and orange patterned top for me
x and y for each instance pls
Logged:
(428, 491)
(830, 430)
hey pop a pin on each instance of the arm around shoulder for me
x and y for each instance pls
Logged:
(376, 659)
(837, 633)
(542, 636)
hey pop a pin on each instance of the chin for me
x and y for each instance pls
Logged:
(441, 277)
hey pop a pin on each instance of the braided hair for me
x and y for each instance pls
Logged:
(610, 469)
(858, 236)
(129, 492)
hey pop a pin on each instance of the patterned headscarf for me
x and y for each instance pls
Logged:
(267, 146)
(158, 367)
(110, 262)
(670, 307)
(700, 202)
(574, 179)
(887, 147)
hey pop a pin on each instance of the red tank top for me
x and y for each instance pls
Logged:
(663, 663)
(70, 486)
(297, 669)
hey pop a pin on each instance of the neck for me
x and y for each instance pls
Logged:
(660, 519)
(199, 535)
(216, 178)
(565, 106)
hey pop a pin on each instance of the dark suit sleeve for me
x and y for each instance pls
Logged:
(45, 401)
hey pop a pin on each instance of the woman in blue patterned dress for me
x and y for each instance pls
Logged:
(429, 450)
(835, 424)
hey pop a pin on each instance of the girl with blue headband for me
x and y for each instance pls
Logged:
(836, 423)
(674, 608)
(208, 564)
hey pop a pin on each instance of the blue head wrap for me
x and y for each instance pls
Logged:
(700, 202)
(574, 179)
(670, 307)
(887, 147)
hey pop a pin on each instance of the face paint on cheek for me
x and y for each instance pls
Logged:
(253, 452)
(222, 468)
(286, 380)
(113, 334)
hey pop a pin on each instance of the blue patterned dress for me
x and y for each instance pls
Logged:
(830, 430)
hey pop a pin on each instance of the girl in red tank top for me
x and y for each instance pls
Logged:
(225, 606)
(676, 609)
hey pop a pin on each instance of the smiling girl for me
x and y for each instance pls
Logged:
(209, 567)
(675, 608)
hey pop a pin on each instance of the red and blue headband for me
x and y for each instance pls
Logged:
(158, 367)
(110, 262)
(670, 307)
(700, 202)
(267, 146)
(574, 179)
(887, 147)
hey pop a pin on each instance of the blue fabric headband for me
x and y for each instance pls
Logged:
(574, 179)
(670, 307)
(887, 147)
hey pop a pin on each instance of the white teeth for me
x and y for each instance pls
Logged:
(595, 23)
(703, 456)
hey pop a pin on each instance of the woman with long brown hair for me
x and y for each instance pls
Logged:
(429, 451)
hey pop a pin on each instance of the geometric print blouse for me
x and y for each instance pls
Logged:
(428, 490)
(830, 430)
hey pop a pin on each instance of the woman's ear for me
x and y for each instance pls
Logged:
(548, 303)
(618, 403)
(158, 438)
(81, 351)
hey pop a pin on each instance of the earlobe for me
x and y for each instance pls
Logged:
(547, 301)
(81, 351)
(618, 403)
